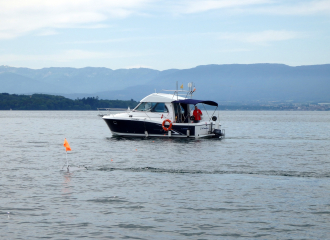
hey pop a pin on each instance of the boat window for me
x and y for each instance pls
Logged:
(159, 107)
(152, 107)
(145, 106)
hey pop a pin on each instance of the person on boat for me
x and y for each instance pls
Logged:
(197, 114)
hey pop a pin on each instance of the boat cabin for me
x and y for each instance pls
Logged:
(160, 104)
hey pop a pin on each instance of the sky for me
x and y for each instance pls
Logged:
(163, 34)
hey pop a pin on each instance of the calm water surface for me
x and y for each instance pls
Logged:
(268, 179)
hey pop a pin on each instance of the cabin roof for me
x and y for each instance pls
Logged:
(161, 97)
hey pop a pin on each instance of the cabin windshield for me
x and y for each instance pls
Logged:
(159, 107)
(151, 107)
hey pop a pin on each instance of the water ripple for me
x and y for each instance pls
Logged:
(185, 171)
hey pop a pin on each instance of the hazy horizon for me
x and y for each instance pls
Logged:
(166, 69)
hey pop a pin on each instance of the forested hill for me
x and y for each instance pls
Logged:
(51, 102)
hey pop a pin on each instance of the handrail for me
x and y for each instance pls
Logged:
(111, 109)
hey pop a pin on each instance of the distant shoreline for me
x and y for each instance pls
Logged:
(37, 102)
(45, 102)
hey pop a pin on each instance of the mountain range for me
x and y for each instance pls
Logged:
(224, 83)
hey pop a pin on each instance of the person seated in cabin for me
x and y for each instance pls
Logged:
(197, 114)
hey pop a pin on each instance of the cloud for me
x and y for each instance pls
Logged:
(18, 17)
(47, 33)
(21, 17)
(261, 37)
(112, 40)
(195, 6)
(279, 7)
(298, 8)
(232, 50)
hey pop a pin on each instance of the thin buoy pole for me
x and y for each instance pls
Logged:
(67, 162)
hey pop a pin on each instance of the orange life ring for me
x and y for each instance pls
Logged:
(169, 127)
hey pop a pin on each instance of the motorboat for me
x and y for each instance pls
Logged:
(165, 115)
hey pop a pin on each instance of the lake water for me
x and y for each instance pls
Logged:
(268, 179)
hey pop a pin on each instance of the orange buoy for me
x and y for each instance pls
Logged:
(169, 127)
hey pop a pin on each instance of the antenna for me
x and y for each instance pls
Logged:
(190, 87)
(177, 95)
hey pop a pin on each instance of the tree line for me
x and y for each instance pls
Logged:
(52, 102)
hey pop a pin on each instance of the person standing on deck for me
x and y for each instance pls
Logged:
(197, 114)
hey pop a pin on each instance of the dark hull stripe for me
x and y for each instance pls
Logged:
(139, 127)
